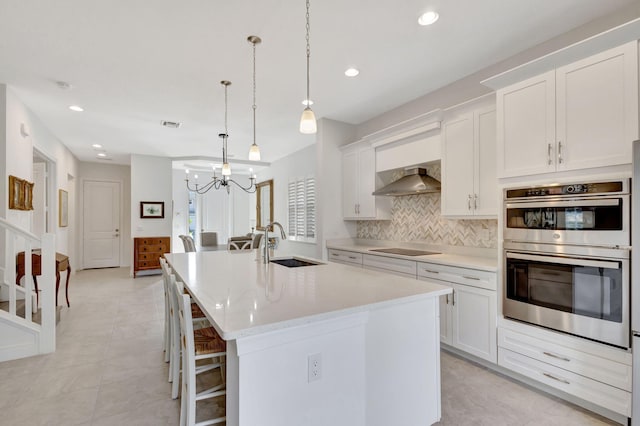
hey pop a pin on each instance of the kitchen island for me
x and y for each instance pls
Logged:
(375, 337)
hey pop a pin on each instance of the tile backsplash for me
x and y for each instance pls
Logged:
(417, 217)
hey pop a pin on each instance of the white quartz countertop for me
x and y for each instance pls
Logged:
(242, 296)
(482, 263)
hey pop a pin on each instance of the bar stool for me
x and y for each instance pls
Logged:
(197, 345)
(172, 328)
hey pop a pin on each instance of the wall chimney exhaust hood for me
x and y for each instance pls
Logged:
(415, 181)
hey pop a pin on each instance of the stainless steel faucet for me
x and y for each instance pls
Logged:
(265, 257)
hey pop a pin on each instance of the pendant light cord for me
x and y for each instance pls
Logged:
(308, 55)
(254, 93)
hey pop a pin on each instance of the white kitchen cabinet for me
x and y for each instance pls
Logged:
(468, 316)
(594, 372)
(581, 115)
(345, 257)
(469, 183)
(358, 182)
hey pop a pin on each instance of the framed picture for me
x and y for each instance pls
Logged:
(152, 209)
(63, 208)
(20, 194)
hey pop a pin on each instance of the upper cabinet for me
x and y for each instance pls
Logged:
(469, 183)
(358, 182)
(581, 115)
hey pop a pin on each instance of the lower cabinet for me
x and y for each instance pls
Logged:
(591, 371)
(468, 316)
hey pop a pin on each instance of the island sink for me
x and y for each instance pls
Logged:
(293, 262)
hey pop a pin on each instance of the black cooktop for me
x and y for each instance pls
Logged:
(404, 252)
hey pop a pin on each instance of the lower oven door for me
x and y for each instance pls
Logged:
(583, 296)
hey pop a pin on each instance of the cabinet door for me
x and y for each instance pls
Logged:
(366, 183)
(445, 319)
(349, 184)
(458, 166)
(474, 321)
(526, 127)
(597, 109)
(486, 182)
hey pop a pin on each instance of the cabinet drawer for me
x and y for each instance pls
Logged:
(389, 271)
(151, 241)
(598, 368)
(149, 263)
(345, 256)
(152, 248)
(612, 398)
(390, 264)
(471, 277)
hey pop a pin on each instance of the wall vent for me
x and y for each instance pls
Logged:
(172, 124)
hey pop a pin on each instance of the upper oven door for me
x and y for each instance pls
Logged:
(600, 221)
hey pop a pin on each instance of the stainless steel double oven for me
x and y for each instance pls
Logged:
(566, 258)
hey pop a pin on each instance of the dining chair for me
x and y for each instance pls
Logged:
(187, 242)
(197, 346)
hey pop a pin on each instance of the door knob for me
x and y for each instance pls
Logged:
(117, 230)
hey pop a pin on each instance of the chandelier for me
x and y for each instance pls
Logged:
(254, 152)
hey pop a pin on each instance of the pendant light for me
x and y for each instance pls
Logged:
(254, 150)
(308, 119)
(226, 168)
(225, 181)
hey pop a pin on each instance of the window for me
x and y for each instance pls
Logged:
(302, 209)
(191, 225)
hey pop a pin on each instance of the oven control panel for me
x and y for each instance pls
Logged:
(593, 188)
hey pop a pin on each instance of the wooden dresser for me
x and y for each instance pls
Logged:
(147, 252)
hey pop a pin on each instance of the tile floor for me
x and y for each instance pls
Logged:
(109, 369)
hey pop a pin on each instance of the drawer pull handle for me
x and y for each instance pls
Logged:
(335, 254)
(431, 272)
(466, 277)
(556, 356)
(352, 257)
(551, 376)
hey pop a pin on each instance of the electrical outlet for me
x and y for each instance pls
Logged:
(314, 363)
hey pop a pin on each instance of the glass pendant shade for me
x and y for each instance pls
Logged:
(308, 122)
(254, 153)
(226, 169)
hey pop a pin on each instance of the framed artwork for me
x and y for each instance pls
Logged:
(20, 194)
(63, 208)
(152, 209)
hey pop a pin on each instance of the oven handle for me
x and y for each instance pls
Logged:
(564, 260)
(575, 203)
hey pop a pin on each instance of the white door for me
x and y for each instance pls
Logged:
(349, 184)
(457, 170)
(526, 127)
(486, 183)
(101, 231)
(597, 101)
(39, 216)
(366, 183)
(474, 321)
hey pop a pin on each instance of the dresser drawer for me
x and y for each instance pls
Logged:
(149, 263)
(153, 248)
(612, 398)
(343, 256)
(471, 277)
(151, 241)
(586, 364)
(403, 266)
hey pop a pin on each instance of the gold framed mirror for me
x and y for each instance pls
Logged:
(264, 204)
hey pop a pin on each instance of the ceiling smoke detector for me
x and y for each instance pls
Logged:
(171, 124)
(64, 85)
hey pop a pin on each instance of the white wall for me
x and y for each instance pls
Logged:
(300, 163)
(330, 225)
(151, 180)
(17, 151)
(110, 173)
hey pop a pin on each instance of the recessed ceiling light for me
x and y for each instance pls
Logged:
(351, 72)
(76, 108)
(102, 154)
(428, 18)
(307, 102)
(96, 146)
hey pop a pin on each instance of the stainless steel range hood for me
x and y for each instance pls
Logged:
(415, 181)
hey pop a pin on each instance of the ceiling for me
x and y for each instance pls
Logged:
(134, 63)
